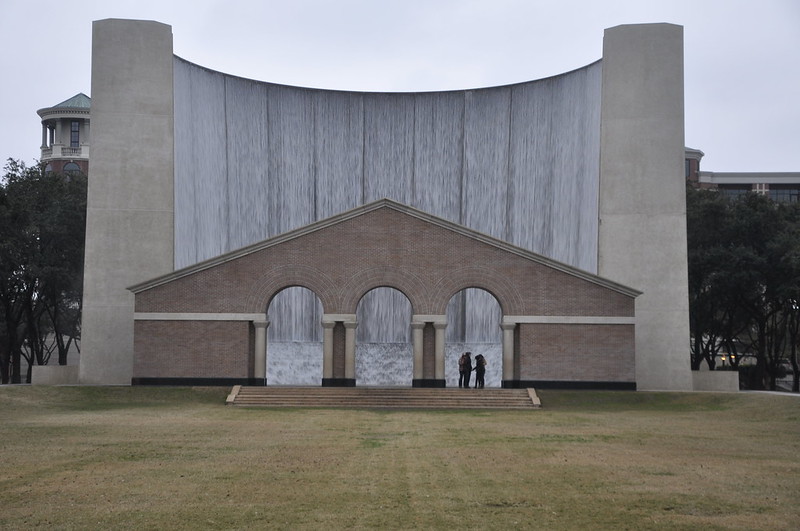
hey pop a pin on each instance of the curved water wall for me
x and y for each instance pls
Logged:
(518, 162)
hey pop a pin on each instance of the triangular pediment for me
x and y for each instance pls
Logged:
(401, 210)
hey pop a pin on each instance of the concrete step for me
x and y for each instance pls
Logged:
(383, 397)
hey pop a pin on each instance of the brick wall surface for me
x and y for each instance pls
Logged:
(595, 353)
(192, 349)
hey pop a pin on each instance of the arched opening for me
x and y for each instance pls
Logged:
(294, 344)
(70, 168)
(383, 339)
(473, 325)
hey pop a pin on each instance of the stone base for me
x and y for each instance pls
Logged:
(429, 382)
(54, 375)
(338, 382)
(199, 382)
(719, 381)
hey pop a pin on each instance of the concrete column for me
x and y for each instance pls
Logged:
(439, 352)
(350, 349)
(44, 135)
(417, 332)
(327, 348)
(260, 354)
(508, 351)
(129, 207)
(642, 204)
(58, 138)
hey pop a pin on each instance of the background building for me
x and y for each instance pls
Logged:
(65, 135)
(779, 186)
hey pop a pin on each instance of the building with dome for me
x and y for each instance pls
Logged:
(65, 135)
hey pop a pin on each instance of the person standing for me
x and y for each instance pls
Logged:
(464, 369)
(480, 370)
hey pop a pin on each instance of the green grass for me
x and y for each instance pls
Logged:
(178, 458)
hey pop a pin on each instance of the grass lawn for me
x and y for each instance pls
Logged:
(178, 458)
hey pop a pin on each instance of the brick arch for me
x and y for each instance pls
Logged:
(484, 278)
(276, 279)
(288, 286)
(359, 284)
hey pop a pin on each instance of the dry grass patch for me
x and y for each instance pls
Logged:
(178, 458)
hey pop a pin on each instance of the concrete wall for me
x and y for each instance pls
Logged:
(717, 381)
(54, 375)
(642, 237)
(129, 225)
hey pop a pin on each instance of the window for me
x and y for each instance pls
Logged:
(734, 191)
(74, 134)
(71, 167)
(787, 194)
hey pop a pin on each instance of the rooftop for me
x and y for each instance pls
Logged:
(79, 103)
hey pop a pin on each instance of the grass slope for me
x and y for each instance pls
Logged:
(178, 458)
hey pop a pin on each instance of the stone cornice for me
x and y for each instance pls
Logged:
(55, 113)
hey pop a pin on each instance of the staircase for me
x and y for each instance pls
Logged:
(383, 397)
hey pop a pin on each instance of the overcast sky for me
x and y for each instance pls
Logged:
(742, 58)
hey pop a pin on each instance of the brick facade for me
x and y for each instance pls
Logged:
(378, 245)
(193, 349)
(587, 353)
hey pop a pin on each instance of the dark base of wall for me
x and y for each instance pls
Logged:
(222, 382)
(428, 382)
(558, 384)
(350, 382)
(338, 382)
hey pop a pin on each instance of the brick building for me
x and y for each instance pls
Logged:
(562, 327)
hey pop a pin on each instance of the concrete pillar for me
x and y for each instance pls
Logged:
(642, 207)
(508, 352)
(260, 354)
(129, 208)
(417, 334)
(44, 135)
(350, 349)
(327, 348)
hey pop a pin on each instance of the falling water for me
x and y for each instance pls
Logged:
(254, 159)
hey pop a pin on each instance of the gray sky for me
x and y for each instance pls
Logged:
(742, 58)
